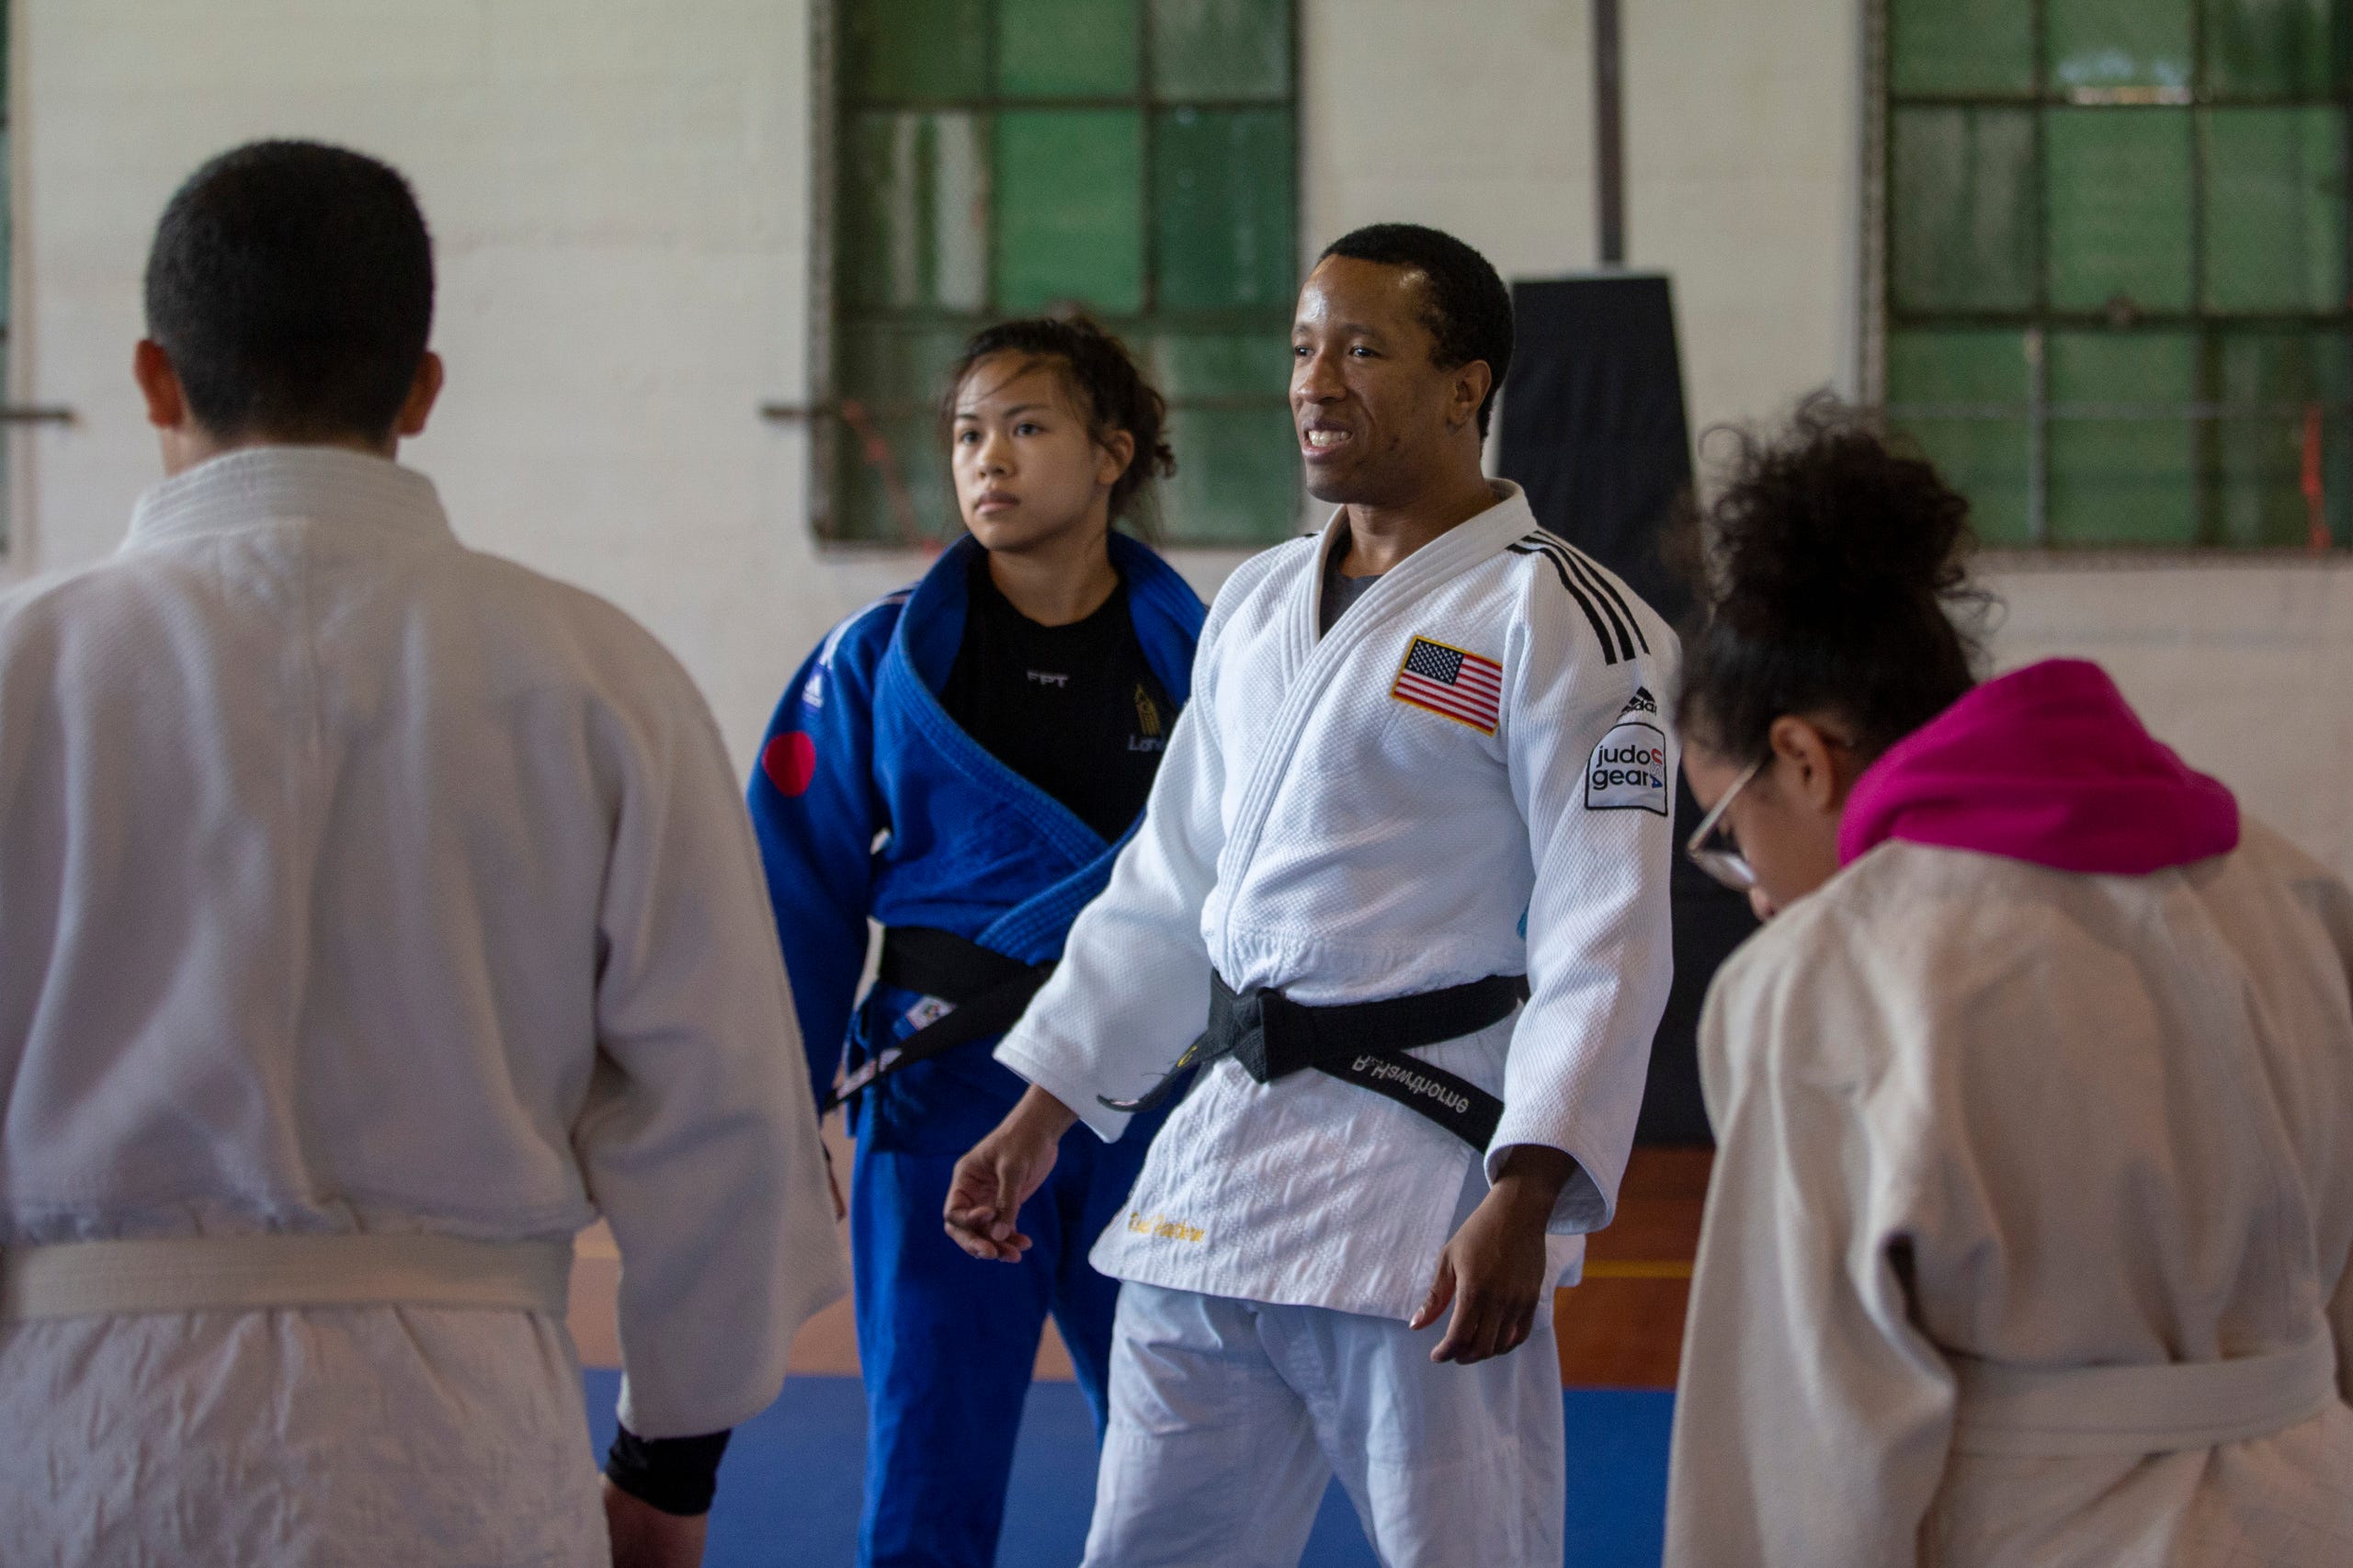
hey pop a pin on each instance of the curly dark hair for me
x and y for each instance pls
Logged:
(1103, 380)
(1469, 307)
(1830, 573)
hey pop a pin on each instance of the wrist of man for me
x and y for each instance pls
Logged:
(1532, 1179)
(1041, 1115)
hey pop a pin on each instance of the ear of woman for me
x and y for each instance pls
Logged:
(1113, 453)
(1817, 765)
(1783, 815)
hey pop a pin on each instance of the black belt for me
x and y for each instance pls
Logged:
(985, 991)
(1363, 1042)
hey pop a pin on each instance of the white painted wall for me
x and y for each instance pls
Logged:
(620, 190)
(619, 193)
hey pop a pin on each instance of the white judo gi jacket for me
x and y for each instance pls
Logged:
(1977, 1119)
(1336, 820)
(351, 880)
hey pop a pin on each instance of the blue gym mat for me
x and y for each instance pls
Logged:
(789, 1488)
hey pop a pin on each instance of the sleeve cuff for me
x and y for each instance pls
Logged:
(1052, 1075)
(1582, 1207)
(676, 1475)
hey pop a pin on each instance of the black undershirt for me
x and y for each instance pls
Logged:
(1074, 709)
(1340, 590)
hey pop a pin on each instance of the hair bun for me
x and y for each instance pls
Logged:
(1829, 569)
(1828, 523)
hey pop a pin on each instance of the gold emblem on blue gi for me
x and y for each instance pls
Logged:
(1453, 683)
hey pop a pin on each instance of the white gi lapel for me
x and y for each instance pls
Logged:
(1316, 660)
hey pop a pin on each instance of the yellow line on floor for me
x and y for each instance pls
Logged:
(1637, 1268)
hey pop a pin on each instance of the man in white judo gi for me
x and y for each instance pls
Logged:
(1425, 773)
(376, 914)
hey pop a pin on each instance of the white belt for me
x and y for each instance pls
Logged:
(187, 1274)
(2074, 1410)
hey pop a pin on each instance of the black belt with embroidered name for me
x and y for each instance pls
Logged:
(1363, 1043)
(985, 992)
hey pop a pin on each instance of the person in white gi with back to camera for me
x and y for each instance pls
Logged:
(374, 913)
(1425, 774)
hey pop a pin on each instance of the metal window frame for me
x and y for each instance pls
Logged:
(830, 102)
(1880, 318)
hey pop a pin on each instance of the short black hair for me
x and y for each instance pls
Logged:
(292, 286)
(1469, 309)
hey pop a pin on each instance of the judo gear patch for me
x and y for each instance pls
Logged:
(1628, 769)
(1451, 682)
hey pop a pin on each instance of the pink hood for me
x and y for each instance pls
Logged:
(2046, 765)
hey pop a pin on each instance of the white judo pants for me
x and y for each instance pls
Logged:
(1228, 1418)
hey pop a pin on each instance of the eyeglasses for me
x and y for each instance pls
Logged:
(1722, 859)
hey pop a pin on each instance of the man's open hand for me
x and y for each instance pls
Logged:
(992, 1181)
(1493, 1269)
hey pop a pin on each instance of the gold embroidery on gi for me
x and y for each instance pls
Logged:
(1162, 1228)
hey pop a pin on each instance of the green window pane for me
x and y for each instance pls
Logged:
(2275, 209)
(890, 482)
(1963, 217)
(1970, 390)
(1960, 46)
(1070, 209)
(912, 212)
(1237, 478)
(1220, 49)
(2130, 479)
(1066, 47)
(2270, 48)
(922, 51)
(1224, 365)
(2118, 197)
(2293, 385)
(897, 367)
(2118, 43)
(1221, 210)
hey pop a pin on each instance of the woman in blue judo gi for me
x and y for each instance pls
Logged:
(961, 762)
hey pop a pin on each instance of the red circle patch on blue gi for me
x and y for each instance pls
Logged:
(790, 761)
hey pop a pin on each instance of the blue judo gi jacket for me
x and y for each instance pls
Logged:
(869, 800)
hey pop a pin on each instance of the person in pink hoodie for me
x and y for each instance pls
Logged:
(2028, 1234)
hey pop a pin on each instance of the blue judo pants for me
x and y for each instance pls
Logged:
(945, 1342)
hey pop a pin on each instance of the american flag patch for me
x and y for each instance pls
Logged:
(1451, 682)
